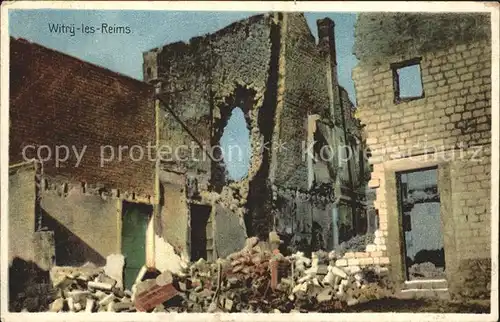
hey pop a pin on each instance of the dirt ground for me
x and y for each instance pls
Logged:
(422, 306)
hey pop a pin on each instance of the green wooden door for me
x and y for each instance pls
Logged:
(134, 226)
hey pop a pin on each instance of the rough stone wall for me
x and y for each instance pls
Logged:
(304, 91)
(309, 90)
(56, 99)
(454, 116)
(271, 67)
(22, 202)
(209, 76)
(202, 81)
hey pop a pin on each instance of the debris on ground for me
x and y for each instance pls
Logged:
(254, 279)
(426, 270)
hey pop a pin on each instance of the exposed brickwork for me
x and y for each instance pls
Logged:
(301, 96)
(374, 254)
(56, 99)
(456, 107)
(450, 127)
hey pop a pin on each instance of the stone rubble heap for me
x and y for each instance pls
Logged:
(88, 289)
(254, 279)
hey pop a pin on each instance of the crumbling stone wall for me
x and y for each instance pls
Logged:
(312, 107)
(58, 100)
(208, 77)
(303, 91)
(172, 224)
(271, 67)
(203, 81)
(451, 124)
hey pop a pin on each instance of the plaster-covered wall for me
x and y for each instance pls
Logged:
(173, 223)
(22, 201)
(85, 225)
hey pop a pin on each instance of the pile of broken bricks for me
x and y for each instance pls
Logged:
(88, 289)
(254, 279)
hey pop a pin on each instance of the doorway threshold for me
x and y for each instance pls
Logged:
(426, 284)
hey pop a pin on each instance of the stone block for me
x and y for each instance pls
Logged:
(164, 278)
(349, 255)
(381, 247)
(106, 300)
(352, 261)
(324, 296)
(374, 183)
(57, 305)
(100, 286)
(89, 305)
(114, 268)
(337, 271)
(341, 262)
(376, 253)
(384, 260)
(366, 261)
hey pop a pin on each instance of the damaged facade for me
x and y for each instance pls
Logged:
(430, 148)
(269, 67)
(72, 207)
(152, 213)
(306, 186)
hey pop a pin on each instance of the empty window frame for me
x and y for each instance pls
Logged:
(407, 80)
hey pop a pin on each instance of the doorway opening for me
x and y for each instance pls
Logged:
(202, 236)
(419, 208)
(135, 220)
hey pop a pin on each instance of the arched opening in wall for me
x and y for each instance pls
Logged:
(235, 146)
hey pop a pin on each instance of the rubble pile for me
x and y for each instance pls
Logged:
(88, 289)
(426, 270)
(254, 279)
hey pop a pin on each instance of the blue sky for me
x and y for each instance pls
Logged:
(150, 29)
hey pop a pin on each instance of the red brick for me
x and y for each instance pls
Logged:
(156, 295)
(56, 99)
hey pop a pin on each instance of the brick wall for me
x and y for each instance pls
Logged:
(56, 99)
(456, 107)
(451, 123)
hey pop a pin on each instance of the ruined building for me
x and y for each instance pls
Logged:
(100, 197)
(68, 209)
(423, 87)
(269, 69)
